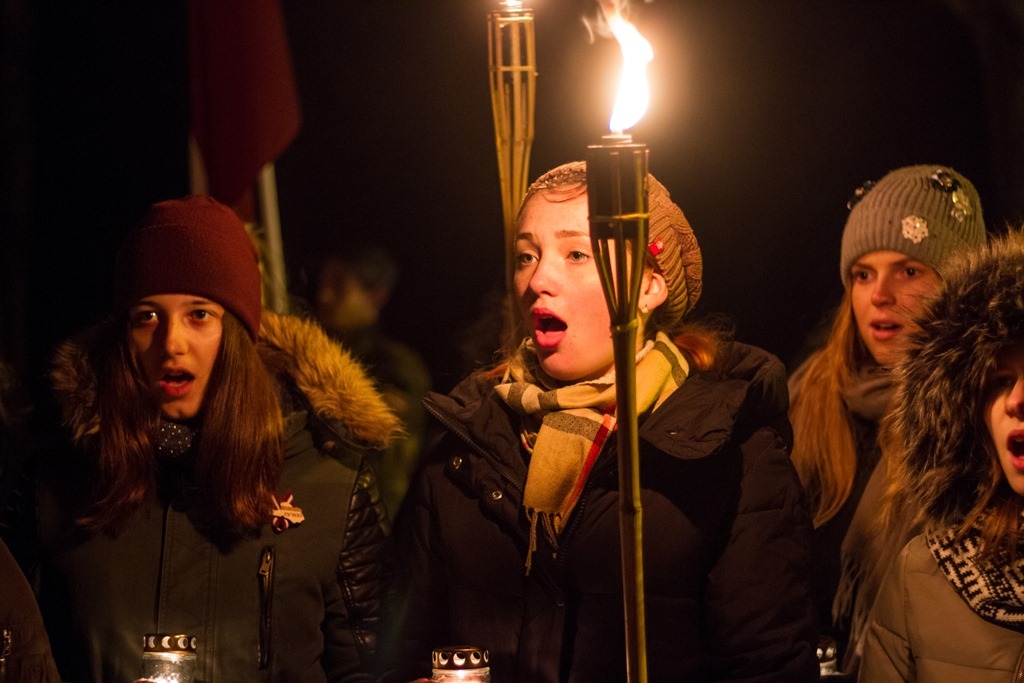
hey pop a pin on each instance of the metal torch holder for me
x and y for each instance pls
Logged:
(512, 57)
(617, 197)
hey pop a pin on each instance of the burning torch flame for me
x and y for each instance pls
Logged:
(634, 93)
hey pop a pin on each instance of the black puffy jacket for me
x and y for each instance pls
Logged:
(725, 531)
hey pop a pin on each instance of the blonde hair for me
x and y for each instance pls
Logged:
(825, 449)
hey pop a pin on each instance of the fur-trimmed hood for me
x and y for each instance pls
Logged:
(936, 417)
(334, 383)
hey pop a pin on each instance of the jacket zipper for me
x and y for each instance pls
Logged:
(574, 521)
(6, 645)
(266, 581)
(1018, 676)
(456, 428)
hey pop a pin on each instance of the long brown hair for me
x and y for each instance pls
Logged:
(240, 450)
(824, 449)
(997, 512)
(997, 508)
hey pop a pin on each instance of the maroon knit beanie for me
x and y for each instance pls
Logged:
(194, 245)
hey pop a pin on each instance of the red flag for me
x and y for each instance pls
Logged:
(244, 104)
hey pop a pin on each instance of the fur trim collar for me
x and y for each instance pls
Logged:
(937, 406)
(335, 384)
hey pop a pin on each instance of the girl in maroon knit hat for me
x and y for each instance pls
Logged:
(214, 484)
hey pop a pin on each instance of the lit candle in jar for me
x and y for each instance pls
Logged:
(462, 664)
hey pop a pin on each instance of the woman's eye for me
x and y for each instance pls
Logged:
(200, 314)
(578, 256)
(912, 271)
(143, 317)
(1001, 382)
(525, 258)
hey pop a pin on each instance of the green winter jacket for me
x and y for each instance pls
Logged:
(295, 605)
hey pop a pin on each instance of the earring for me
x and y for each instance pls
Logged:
(644, 309)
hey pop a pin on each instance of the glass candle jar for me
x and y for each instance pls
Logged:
(168, 658)
(465, 663)
(827, 657)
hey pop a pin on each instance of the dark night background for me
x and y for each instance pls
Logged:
(766, 114)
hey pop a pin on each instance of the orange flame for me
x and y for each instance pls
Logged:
(634, 94)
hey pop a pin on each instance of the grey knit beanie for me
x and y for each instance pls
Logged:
(672, 246)
(926, 212)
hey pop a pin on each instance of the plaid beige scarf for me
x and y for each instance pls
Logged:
(566, 426)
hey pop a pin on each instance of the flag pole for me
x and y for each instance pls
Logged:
(267, 226)
(270, 227)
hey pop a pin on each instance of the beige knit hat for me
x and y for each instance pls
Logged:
(927, 212)
(672, 246)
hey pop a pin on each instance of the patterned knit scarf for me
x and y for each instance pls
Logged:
(995, 591)
(574, 423)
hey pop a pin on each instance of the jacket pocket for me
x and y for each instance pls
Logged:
(265, 576)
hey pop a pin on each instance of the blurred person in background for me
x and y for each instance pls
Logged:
(350, 291)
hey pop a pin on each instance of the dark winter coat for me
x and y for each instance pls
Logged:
(725, 532)
(922, 628)
(297, 605)
(842, 539)
(24, 646)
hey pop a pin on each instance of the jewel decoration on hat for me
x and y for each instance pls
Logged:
(944, 180)
(285, 513)
(859, 193)
(656, 247)
(915, 228)
(961, 207)
(947, 182)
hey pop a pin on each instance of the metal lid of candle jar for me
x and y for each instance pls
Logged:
(178, 643)
(461, 657)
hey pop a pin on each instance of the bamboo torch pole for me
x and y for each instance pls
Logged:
(617, 199)
(513, 73)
